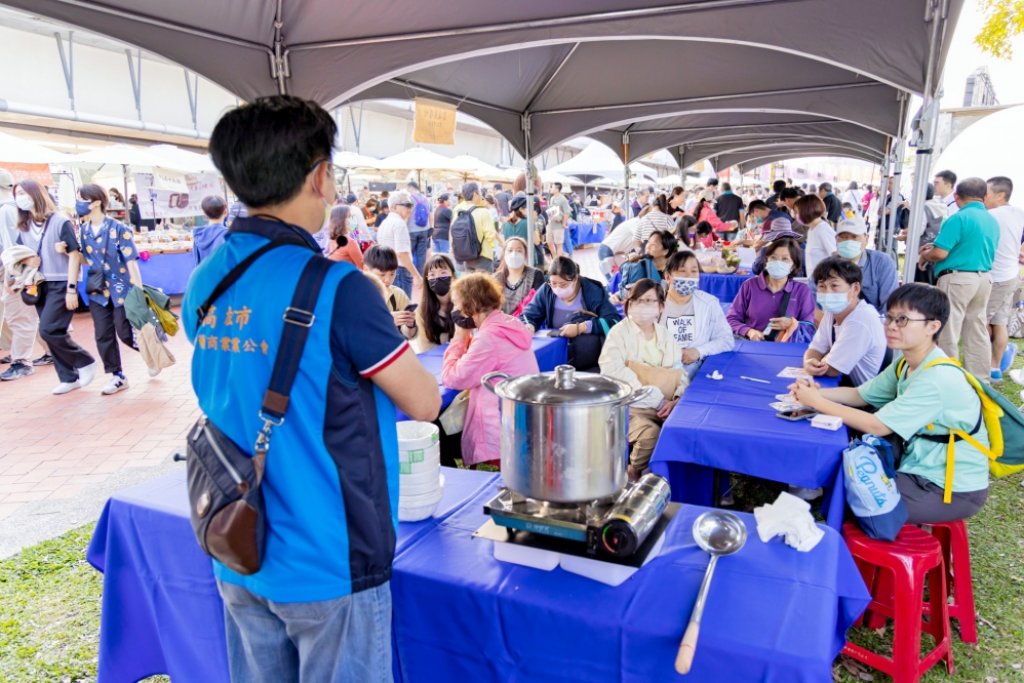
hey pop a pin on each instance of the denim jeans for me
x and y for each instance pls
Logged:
(441, 247)
(346, 640)
(420, 242)
(403, 280)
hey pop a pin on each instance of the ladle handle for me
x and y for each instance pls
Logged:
(687, 648)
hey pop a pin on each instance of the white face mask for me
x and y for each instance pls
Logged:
(562, 292)
(643, 314)
(514, 260)
(24, 202)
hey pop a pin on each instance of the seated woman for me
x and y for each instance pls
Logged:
(661, 245)
(642, 353)
(684, 226)
(485, 340)
(433, 316)
(772, 306)
(705, 235)
(910, 396)
(519, 282)
(575, 307)
(704, 211)
(694, 319)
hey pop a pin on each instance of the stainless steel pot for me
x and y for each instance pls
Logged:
(563, 434)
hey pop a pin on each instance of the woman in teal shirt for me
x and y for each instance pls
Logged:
(908, 403)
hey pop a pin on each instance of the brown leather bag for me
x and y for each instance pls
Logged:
(665, 379)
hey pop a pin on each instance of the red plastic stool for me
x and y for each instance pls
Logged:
(956, 552)
(896, 573)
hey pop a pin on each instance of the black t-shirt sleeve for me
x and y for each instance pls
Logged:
(67, 236)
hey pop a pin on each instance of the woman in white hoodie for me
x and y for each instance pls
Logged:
(694, 319)
(642, 353)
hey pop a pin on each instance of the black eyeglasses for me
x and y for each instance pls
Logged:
(330, 167)
(902, 320)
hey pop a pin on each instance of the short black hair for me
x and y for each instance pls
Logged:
(825, 186)
(703, 228)
(929, 301)
(757, 204)
(1001, 185)
(726, 187)
(948, 176)
(778, 186)
(214, 206)
(712, 182)
(669, 242)
(844, 269)
(679, 259)
(789, 193)
(564, 267)
(381, 258)
(470, 190)
(558, 185)
(266, 148)
(972, 188)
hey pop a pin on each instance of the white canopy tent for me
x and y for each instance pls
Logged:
(15, 150)
(971, 153)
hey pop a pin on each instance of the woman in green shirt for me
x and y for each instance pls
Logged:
(907, 404)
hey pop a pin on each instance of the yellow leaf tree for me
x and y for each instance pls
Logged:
(1004, 19)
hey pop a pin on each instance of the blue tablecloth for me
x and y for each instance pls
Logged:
(169, 272)
(724, 287)
(161, 610)
(727, 425)
(587, 232)
(550, 351)
(773, 614)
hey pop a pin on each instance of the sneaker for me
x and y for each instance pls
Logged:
(66, 387)
(17, 371)
(1017, 376)
(87, 374)
(1008, 356)
(153, 372)
(45, 359)
(116, 384)
(995, 374)
(6, 360)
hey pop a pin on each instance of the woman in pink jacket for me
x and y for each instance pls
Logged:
(705, 211)
(499, 342)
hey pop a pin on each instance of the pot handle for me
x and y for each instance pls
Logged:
(640, 393)
(485, 381)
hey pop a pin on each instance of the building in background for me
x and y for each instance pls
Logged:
(979, 91)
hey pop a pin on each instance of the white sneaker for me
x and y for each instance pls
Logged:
(115, 385)
(86, 374)
(67, 387)
(153, 372)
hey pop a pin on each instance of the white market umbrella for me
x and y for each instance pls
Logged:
(483, 170)
(120, 155)
(175, 157)
(350, 160)
(549, 176)
(15, 150)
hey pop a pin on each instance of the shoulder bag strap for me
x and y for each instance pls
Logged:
(783, 305)
(233, 275)
(298, 318)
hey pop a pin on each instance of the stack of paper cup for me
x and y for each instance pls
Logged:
(420, 482)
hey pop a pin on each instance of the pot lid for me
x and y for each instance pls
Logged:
(565, 386)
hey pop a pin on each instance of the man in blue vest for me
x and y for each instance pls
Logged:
(320, 603)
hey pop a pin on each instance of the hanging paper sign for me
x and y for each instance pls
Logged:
(164, 179)
(183, 201)
(434, 122)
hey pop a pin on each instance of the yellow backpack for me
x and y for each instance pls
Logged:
(1003, 421)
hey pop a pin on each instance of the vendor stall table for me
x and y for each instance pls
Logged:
(773, 614)
(587, 232)
(723, 286)
(169, 272)
(727, 425)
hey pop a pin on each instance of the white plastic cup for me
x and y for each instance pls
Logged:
(413, 436)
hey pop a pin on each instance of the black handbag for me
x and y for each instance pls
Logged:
(224, 479)
(585, 349)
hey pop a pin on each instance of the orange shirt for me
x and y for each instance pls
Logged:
(350, 252)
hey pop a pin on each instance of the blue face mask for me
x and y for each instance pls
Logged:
(685, 286)
(778, 269)
(833, 302)
(848, 248)
(82, 207)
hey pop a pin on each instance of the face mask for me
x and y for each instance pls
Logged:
(24, 202)
(440, 285)
(643, 314)
(562, 292)
(514, 260)
(82, 207)
(778, 269)
(848, 248)
(463, 321)
(685, 286)
(833, 302)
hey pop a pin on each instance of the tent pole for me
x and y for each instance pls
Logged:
(927, 128)
(627, 206)
(531, 220)
(897, 172)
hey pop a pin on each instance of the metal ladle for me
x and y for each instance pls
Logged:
(718, 533)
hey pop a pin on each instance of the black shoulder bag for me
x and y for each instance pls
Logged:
(225, 500)
(783, 305)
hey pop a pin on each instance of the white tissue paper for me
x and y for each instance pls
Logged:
(716, 375)
(789, 517)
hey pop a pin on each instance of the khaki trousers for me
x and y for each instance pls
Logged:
(644, 428)
(23, 323)
(968, 320)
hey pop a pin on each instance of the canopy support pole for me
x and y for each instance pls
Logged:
(924, 138)
(279, 69)
(67, 63)
(894, 201)
(883, 197)
(531, 220)
(627, 206)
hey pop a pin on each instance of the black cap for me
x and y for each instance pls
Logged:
(350, 198)
(518, 203)
(443, 197)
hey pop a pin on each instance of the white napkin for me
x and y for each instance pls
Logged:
(789, 517)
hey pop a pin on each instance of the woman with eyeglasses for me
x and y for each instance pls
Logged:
(920, 404)
(434, 314)
(641, 352)
(773, 306)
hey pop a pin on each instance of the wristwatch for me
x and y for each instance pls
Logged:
(72, 286)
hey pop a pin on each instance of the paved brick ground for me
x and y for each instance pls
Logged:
(54, 447)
